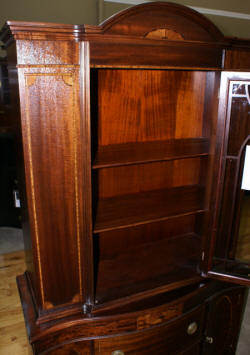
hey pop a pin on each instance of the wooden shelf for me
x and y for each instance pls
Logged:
(146, 207)
(168, 263)
(135, 153)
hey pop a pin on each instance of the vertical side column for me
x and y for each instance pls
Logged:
(55, 121)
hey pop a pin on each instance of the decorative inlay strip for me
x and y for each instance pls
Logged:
(30, 80)
(69, 78)
(165, 33)
(76, 190)
(49, 66)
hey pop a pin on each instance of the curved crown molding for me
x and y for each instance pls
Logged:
(175, 22)
(190, 24)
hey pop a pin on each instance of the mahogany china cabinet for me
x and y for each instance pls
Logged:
(136, 209)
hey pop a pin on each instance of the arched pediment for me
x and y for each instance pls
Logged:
(179, 23)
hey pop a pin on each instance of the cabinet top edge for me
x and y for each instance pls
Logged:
(235, 42)
(23, 30)
(14, 30)
(156, 20)
(159, 22)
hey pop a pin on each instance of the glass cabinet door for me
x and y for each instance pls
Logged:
(242, 232)
(229, 247)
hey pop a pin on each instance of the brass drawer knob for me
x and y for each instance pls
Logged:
(192, 328)
(209, 340)
(118, 352)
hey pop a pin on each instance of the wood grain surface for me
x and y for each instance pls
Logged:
(172, 262)
(53, 167)
(114, 91)
(150, 342)
(134, 153)
(149, 105)
(145, 207)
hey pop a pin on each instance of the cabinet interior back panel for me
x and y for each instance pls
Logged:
(149, 105)
(115, 242)
(125, 180)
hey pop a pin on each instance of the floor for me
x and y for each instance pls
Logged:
(11, 239)
(12, 328)
(13, 339)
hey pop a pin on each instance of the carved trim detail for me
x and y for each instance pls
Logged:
(165, 33)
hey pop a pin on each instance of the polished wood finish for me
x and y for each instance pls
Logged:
(193, 26)
(149, 105)
(156, 341)
(106, 54)
(47, 143)
(146, 152)
(14, 263)
(201, 46)
(176, 312)
(42, 154)
(127, 272)
(115, 182)
(145, 207)
(78, 348)
(131, 143)
(136, 236)
(237, 58)
(225, 314)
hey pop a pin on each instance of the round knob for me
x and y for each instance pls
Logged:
(118, 352)
(209, 340)
(192, 328)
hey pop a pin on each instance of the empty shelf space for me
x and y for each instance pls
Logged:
(146, 207)
(168, 263)
(134, 153)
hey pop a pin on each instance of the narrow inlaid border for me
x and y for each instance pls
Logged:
(30, 78)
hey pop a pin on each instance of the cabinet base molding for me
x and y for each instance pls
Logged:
(89, 334)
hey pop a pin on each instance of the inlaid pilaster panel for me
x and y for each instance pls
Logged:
(51, 125)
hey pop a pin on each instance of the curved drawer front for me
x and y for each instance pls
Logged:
(178, 337)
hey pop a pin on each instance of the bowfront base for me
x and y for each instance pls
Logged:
(198, 319)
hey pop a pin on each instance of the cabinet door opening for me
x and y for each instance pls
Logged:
(231, 259)
(152, 156)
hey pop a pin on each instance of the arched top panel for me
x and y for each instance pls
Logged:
(162, 20)
(155, 20)
(156, 34)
